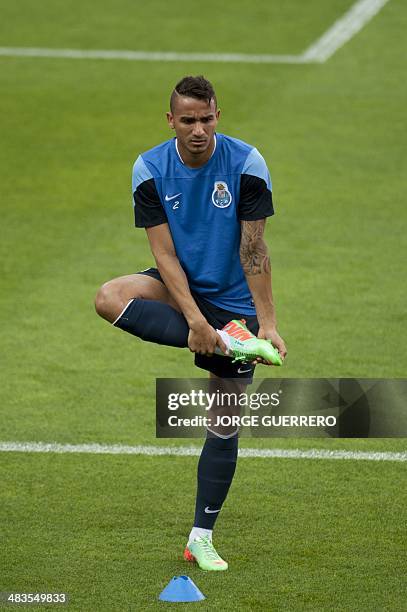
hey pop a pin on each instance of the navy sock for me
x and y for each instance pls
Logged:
(216, 468)
(155, 322)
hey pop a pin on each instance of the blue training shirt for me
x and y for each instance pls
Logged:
(203, 208)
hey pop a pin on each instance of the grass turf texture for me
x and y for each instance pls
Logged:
(333, 136)
(304, 536)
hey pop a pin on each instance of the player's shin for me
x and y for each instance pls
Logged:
(154, 321)
(216, 468)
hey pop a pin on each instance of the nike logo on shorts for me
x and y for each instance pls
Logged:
(240, 371)
(169, 198)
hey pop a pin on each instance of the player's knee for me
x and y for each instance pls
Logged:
(106, 301)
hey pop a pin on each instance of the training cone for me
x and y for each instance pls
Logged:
(181, 588)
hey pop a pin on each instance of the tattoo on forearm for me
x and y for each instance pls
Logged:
(253, 250)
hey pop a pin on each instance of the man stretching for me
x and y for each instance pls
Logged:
(203, 198)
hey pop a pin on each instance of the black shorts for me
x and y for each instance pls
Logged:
(217, 318)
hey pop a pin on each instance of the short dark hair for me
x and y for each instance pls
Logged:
(193, 87)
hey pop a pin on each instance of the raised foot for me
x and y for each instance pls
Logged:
(245, 346)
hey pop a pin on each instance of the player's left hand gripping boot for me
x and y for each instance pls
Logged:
(203, 552)
(245, 346)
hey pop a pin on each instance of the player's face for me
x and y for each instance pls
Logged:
(195, 123)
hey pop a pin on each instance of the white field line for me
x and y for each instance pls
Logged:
(151, 56)
(334, 38)
(343, 30)
(189, 451)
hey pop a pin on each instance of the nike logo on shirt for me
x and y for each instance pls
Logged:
(169, 198)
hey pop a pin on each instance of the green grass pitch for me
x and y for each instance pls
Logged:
(299, 535)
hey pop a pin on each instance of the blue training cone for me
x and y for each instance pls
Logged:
(181, 588)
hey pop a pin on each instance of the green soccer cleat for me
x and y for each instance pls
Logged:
(244, 346)
(203, 552)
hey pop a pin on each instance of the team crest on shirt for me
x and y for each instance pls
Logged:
(221, 196)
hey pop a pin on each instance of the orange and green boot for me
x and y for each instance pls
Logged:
(244, 346)
(203, 552)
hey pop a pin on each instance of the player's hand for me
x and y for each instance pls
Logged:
(276, 340)
(203, 339)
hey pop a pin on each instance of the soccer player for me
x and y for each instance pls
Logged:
(203, 198)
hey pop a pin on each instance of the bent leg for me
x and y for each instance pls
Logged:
(143, 306)
(113, 296)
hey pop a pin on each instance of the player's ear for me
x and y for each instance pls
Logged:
(217, 114)
(170, 119)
